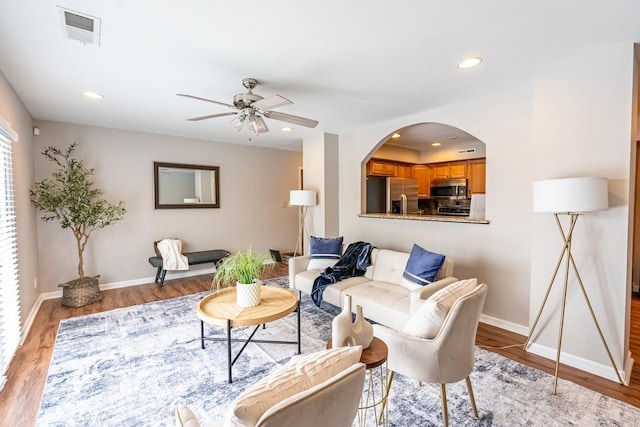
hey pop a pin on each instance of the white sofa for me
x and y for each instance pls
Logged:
(379, 292)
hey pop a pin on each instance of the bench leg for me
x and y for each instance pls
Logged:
(158, 274)
(164, 273)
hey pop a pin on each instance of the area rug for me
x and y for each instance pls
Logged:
(131, 366)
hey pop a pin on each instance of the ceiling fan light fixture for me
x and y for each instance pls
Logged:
(238, 121)
(262, 126)
(257, 124)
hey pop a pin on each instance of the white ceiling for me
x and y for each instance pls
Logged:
(344, 63)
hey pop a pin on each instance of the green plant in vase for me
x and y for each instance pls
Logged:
(242, 269)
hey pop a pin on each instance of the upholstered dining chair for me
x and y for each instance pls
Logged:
(444, 354)
(316, 390)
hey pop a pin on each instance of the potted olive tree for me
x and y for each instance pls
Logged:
(242, 269)
(69, 197)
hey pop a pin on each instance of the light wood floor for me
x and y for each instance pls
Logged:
(20, 399)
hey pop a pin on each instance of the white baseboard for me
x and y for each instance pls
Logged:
(602, 370)
(142, 281)
(28, 322)
(502, 324)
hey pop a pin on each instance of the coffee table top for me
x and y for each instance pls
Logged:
(220, 307)
(374, 355)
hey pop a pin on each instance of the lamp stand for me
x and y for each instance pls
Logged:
(302, 213)
(569, 261)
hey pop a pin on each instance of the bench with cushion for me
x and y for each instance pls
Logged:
(200, 257)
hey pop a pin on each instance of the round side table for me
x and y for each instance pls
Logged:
(374, 395)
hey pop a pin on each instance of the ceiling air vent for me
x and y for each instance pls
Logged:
(467, 151)
(81, 27)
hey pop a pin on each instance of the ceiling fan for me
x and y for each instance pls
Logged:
(251, 108)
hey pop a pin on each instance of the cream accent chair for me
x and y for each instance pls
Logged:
(448, 357)
(333, 402)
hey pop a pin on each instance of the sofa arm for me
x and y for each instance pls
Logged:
(419, 295)
(297, 265)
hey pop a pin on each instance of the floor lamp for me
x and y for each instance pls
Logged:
(303, 199)
(571, 197)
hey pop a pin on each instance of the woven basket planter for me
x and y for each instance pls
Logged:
(80, 292)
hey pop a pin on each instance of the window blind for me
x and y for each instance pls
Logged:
(9, 292)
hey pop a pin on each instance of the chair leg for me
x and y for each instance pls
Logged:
(473, 400)
(386, 395)
(445, 411)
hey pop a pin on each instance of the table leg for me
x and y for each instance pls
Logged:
(229, 349)
(298, 310)
(202, 334)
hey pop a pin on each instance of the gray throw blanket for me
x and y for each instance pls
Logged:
(353, 263)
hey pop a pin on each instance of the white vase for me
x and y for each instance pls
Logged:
(342, 326)
(362, 330)
(248, 294)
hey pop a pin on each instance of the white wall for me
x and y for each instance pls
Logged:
(582, 127)
(12, 109)
(254, 188)
(321, 174)
(572, 120)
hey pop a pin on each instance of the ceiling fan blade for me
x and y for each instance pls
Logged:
(211, 116)
(290, 118)
(207, 100)
(271, 102)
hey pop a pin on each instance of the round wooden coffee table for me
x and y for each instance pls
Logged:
(220, 309)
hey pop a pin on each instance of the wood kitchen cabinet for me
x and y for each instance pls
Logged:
(379, 168)
(458, 169)
(477, 176)
(404, 171)
(449, 170)
(421, 173)
(440, 171)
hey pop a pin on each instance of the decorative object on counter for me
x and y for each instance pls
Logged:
(344, 332)
(243, 268)
(69, 197)
(303, 199)
(569, 197)
(476, 209)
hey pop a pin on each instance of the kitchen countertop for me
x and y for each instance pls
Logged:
(436, 218)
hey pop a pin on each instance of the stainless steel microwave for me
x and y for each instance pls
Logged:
(449, 189)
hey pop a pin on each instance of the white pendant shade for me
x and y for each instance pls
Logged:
(302, 198)
(585, 194)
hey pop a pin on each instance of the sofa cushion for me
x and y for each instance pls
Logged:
(299, 374)
(427, 320)
(382, 302)
(325, 252)
(422, 268)
(389, 266)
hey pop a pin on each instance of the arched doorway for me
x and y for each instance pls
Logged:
(428, 153)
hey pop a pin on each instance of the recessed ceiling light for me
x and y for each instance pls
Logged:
(436, 144)
(286, 129)
(470, 62)
(395, 135)
(94, 95)
(453, 137)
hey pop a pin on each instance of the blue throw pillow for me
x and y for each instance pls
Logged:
(325, 252)
(422, 267)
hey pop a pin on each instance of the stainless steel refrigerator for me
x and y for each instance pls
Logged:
(392, 195)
